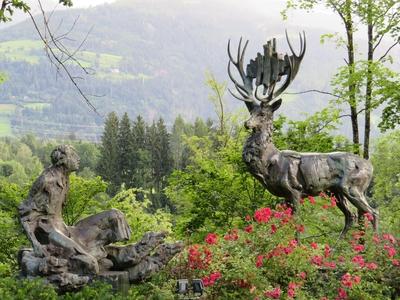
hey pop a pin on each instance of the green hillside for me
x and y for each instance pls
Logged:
(151, 60)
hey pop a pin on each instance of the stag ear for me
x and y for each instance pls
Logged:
(276, 104)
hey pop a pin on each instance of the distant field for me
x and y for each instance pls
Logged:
(5, 126)
(7, 109)
(37, 105)
(22, 50)
(29, 51)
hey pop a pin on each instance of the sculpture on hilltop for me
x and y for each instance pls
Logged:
(288, 174)
(72, 256)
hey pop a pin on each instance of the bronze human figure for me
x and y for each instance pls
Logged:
(291, 174)
(71, 256)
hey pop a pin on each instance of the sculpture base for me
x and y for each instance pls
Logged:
(118, 279)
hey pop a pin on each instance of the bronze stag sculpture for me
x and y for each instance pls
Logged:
(291, 174)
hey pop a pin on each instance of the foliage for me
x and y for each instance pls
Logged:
(137, 213)
(386, 161)
(263, 260)
(84, 198)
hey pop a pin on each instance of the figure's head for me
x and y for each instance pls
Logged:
(262, 115)
(65, 155)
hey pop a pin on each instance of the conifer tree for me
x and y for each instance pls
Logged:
(124, 151)
(107, 166)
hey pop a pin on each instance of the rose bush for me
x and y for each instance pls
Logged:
(263, 259)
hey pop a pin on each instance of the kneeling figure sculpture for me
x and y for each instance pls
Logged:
(71, 256)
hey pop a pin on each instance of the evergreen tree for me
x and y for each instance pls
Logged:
(139, 158)
(124, 151)
(107, 166)
(177, 142)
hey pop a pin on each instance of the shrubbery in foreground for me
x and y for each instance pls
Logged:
(263, 260)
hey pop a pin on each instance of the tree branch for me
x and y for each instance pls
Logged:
(313, 91)
(389, 49)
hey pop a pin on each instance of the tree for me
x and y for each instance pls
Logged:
(107, 166)
(124, 147)
(381, 19)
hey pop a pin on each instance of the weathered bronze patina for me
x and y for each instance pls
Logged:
(290, 174)
(71, 256)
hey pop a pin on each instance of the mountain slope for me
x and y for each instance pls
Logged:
(150, 58)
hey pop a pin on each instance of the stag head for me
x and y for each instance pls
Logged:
(266, 70)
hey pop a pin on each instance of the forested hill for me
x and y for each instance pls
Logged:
(150, 58)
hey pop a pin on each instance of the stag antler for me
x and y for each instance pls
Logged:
(267, 69)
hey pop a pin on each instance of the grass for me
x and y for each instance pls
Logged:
(5, 126)
(21, 50)
(37, 105)
(7, 109)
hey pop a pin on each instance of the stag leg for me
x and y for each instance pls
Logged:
(358, 199)
(343, 205)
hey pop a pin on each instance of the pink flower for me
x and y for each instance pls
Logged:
(358, 248)
(358, 259)
(356, 279)
(327, 250)
(300, 228)
(291, 293)
(292, 285)
(312, 200)
(263, 215)
(302, 275)
(248, 218)
(369, 216)
(390, 250)
(331, 265)
(342, 295)
(389, 237)
(376, 239)
(274, 294)
(347, 280)
(211, 239)
(317, 260)
(371, 266)
(333, 201)
(396, 262)
(249, 228)
(259, 261)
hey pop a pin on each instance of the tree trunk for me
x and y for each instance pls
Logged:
(352, 87)
(368, 89)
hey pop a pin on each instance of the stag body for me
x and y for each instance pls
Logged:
(291, 174)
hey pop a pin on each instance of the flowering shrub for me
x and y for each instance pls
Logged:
(263, 259)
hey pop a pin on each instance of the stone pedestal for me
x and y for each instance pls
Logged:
(118, 279)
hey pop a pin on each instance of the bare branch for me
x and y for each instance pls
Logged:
(312, 91)
(389, 49)
(54, 58)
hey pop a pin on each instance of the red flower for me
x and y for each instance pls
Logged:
(389, 237)
(302, 275)
(211, 239)
(390, 250)
(376, 239)
(291, 293)
(301, 201)
(263, 215)
(396, 262)
(342, 295)
(331, 265)
(199, 258)
(211, 279)
(327, 250)
(249, 228)
(274, 294)
(325, 206)
(273, 229)
(333, 201)
(312, 200)
(248, 218)
(371, 266)
(259, 261)
(314, 245)
(358, 248)
(300, 228)
(358, 259)
(317, 260)
(347, 280)
(369, 216)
